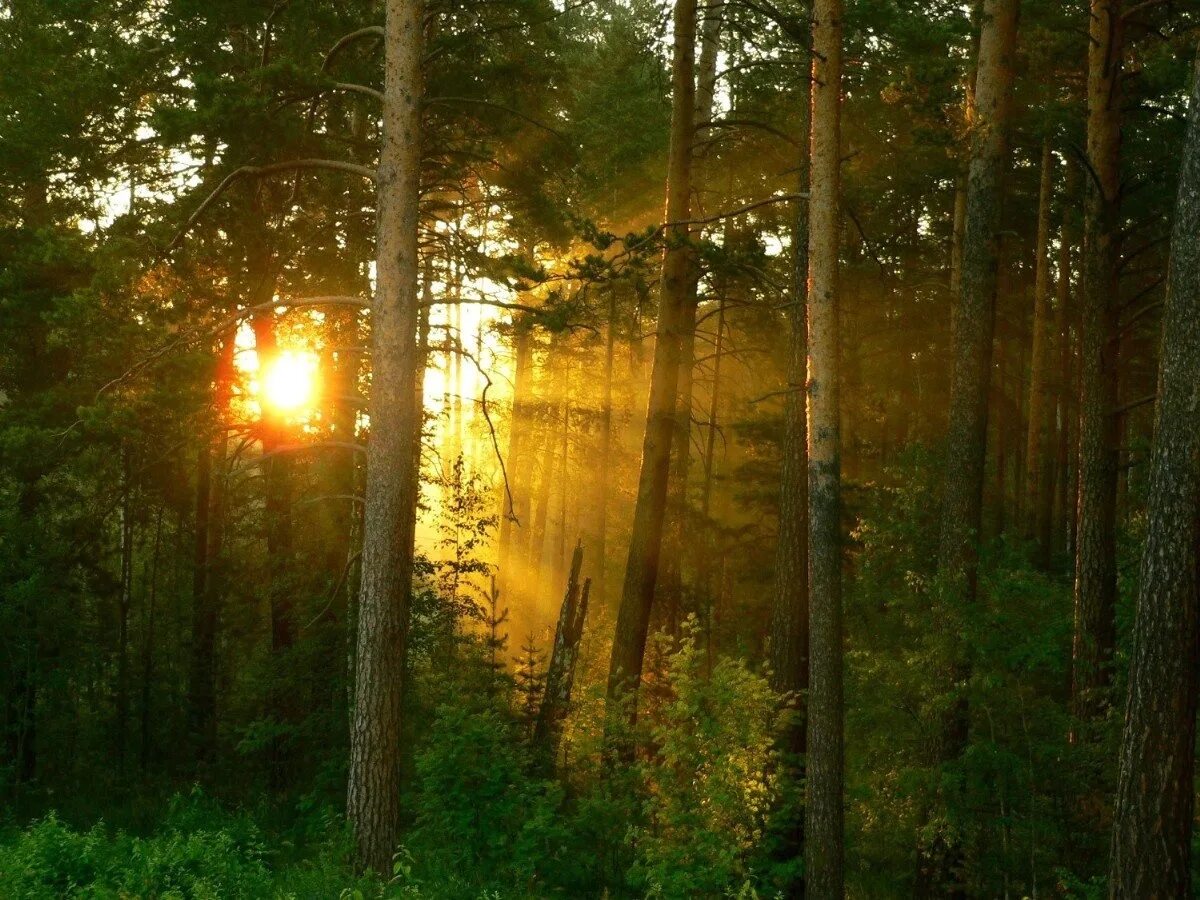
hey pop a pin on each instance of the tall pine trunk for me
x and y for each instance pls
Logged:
(645, 542)
(1152, 828)
(373, 790)
(823, 815)
(787, 645)
(681, 449)
(1096, 545)
(975, 321)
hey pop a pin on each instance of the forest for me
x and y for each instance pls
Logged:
(515, 449)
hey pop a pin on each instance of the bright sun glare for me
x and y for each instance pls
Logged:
(290, 381)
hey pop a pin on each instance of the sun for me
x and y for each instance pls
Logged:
(289, 383)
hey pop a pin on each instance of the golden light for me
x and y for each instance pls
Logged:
(289, 383)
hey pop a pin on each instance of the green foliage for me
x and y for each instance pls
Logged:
(481, 818)
(710, 780)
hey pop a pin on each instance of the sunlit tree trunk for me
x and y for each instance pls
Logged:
(373, 791)
(645, 543)
(1152, 829)
(1095, 551)
(971, 377)
(599, 551)
(823, 814)
(1036, 440)
(548, 477)
(514, 521)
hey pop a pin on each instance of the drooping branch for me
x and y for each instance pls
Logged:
(749, 123)
(289, 165)
(375, 31)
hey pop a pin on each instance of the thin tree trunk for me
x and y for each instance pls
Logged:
(1036, 441)
(604, 482)
(1152, 829)
(148, 637)
(823, 814)
(514, 520)
(1063, 513)
(645, 543)
(975, 321)
(124, 603)
(208, 547)
(277, 525)
(373, 791)
(1095, 552)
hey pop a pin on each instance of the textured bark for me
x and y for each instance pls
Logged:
(1152, 828)
(823, 814)
(975, 316)
(645, 542)
(1096, 545)
(966, 443)
(788, 639)
(1037, 444)
(671, 590)
(372, 801)
(956, 237)
(560, 676)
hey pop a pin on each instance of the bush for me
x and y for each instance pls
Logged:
(710, 781)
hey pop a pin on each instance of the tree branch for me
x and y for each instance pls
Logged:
(347, 40)
(290, 165)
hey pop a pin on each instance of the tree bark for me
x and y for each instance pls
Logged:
(1152, 829)
(1095, 552)
(823, 814)
(1036, 441)
(645, 543)
(372, 799)
(671, 590)
(975, 320)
